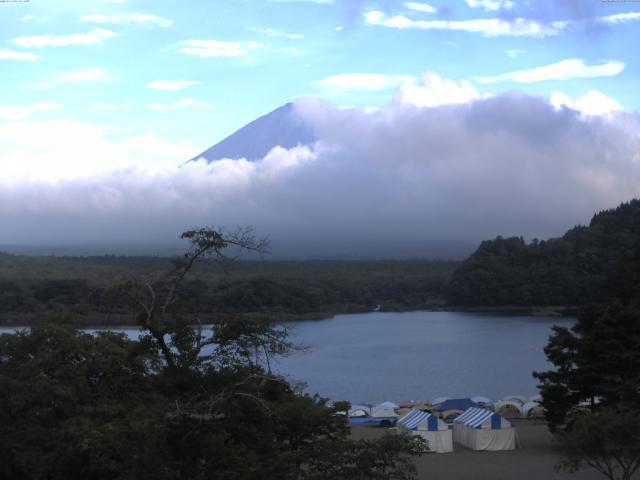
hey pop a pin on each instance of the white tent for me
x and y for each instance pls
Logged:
(532, 410)
(384, 414)
(431, 428)
(439, 400)
(516, 399)
(480, 429)
(480, 400)
(508, 408)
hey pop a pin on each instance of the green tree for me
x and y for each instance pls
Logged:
(608, 441)
(597, 362)
(180, 402)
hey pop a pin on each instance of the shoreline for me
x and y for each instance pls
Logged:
(119, 320)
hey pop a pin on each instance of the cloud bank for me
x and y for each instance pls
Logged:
(412, 173)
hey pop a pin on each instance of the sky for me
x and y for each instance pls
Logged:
(437, 121)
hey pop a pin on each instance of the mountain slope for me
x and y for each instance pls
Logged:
(282, 127)
(590, 264)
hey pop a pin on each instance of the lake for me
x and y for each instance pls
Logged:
(376, 356)
(373, 357)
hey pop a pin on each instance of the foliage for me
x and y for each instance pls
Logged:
(597, 362)
(608, 441)
(177, 403)
(593, 264)
(33, 288)
(386, 459)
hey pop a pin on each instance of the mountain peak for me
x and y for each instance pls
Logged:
(282, 127)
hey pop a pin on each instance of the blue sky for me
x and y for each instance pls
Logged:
(102, 101)
(246, 57)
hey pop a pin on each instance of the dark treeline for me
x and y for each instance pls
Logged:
(36, 287)
(589, 264)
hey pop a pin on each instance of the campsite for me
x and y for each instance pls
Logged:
(534, 460)
(475, 442)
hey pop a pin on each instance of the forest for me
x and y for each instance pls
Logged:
(589, 264)
(86, 288)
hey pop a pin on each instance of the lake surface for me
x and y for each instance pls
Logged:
(373, 357)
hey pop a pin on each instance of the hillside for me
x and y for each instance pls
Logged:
(589, 264)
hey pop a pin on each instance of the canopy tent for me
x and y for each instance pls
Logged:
(436, 433)
(508, 408)
(480, 400)
(389, 405)
(480, 429)
(455, 404)
(439, 400)
(450, 409)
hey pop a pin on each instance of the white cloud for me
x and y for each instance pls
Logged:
(509, 164)
(87, 75)
(20, 56)
(179, 104)
(433, 90)
(515, 52)
(23, 111)
(590, 104)
(621, 17)
(276, 33)
(354, 82)
(54, 150)
(217, 48)
(32, 18)
(489, 27)
(92, 37)
(171, 85)
(563, 70)
(420, 7)
(490, 5)
(110, 107)
(144, 19)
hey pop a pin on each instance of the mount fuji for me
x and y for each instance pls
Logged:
(282, 127)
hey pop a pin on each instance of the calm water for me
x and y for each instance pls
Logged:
(376, 356)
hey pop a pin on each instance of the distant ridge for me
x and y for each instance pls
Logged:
(282, 127)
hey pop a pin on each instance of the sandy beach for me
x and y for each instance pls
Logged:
(534, 460)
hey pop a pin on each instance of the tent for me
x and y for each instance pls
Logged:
(480, 429)
(532, 410)
(436, 433)
(359, 414)
(439, 400)
(482, 401)
(508, 408)
(516, 399)
(449, 409)
(385, 413)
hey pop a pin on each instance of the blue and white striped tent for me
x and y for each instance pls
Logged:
(437, 433)
(476, 417)
(481, 429)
